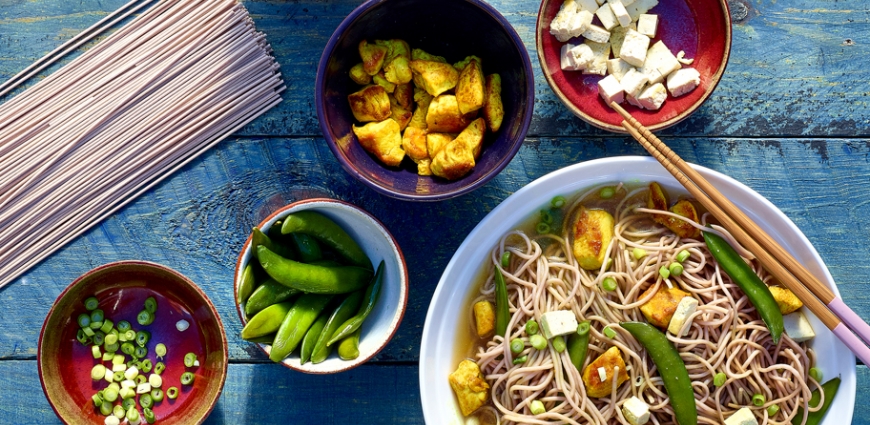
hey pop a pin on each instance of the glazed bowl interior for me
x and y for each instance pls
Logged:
(454, 29)
(65, 364)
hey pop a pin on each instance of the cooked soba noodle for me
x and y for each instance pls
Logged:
(726, 333)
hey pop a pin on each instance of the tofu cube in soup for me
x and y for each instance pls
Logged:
(609, 361)
(635, 411)
(383, 140)
(593, 231)
(470, 387)
(797, 327)
(683, 81)
(661, 307)
(610, 89)
(634, 48)
(484, 318)
(556, 323)
(685, 309)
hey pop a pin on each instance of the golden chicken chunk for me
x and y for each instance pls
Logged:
(470, 88)
(435, 77)
(396, 48)
(463, 63)
(456, 159)
(661, 307)
(359, 75)
(423, 101)
(399, 113)
(658, 200)
(493, 109)
(436, 141)
(383, 140)
(484, 318)
(422, 55)
(373, 56)
(370, 104)
(414, 143)
(593, 231)
(398, 71)
(404, 94)
(443, 115)
(609, 360)
(470, 387)
(787, 301)
(380, 80)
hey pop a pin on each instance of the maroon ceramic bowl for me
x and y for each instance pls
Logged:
(65, 364)
(450, 28)
(701, 28)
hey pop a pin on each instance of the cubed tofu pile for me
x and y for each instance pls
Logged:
(415, 104)
(615, 38)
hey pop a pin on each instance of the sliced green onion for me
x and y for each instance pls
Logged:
(538, 341)
(816, 374)
(140, 352)
(123, 326)
(88, 331)
(119, 412)
(130, 335)
(112, 347)
(91, 303)
(683, 255)
(506, 259)
(110, 339)
(98, 372)
(106, 409)
(546, 217)
(133, 414)
(97, 316)
(537, 407)
(608, 332)
(638, 253)
(159, 367)
(142, 338)
(172, 393)
(719, 379)
(186, 378)
(131, 373)
(542, 228)
(675, 269)
(145, 366)
(517, 346)
(758, 400)
(107, 326)
(583, 328)
(521, 359)
(156, 394)
(81, 337)
(149, 415)
(110, 394)
(128, 403)
(95, 351)
(98, 401)
(145, 400)
(151, 304)
(608, 262)
(127, 348)
(155, 380)
(607, 192)
(531, 327)
(558, 202)
(664, 272)
(608, 284)
(145, 318)
(96, 325)
(772, 410)
(141, 379)
(559, 344)
(160, 350)
(108, 356)
(118, 359)
(189, 359)
(99, 337)
(84, 320)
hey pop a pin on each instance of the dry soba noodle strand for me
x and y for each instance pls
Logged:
(111, 124)
(725, 335)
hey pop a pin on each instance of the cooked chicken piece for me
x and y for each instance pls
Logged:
(609, 360)
(373, 56)
(414, 143)
(593, 231)
(444, 116)
(463, 63)
(470, 387)
(423, 101)
(435, 77)
(658, 200)
(383, 140)
(470, 89)
(400, 114)
(396, 48)
(484, 318)
(398, 71)
(420, 54)
(787, 301)
(404, 94)
(436, 141)
(493, 109)
(359, 75)
(661, 307)
(381, 80)
(370, 104)
(456, 159)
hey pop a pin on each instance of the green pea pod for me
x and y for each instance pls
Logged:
(578, 345)
(502, 309)
(311, 338)
(296, 323)
(268, 293)
(265, 339)
(671, 369)
(258, 238)
(815, 418)
(248, 283)
(267, 321)
(307, 247)
(348, 307)
(369, 299)
(740, 272)
(311, 278)
(327, 232)
(348, 348)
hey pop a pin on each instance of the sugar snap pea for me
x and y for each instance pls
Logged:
(248, 282)
(740, 272)
(258, 238)
(327, 232)
(815, 418)
(348, 307)
(348, 348)
(307, 247)
(266, 321)
(578, 345)
(502, 309)
(312, 278)
(265, 339)
(296, 323)
(310, 338)
(268, 293)
(671, 369)
(369, 300)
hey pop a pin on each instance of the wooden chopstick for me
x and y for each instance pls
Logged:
(814, 294)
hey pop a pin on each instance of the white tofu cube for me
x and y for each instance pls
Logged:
(797, 327)
(653, 97)
(588, 5)
(633, 101)
(606, 16)
(648, 24)
(560, 322)
(560, 24)
(634, 48)
(636, 412)
(598, 65)
(683, 81)
(659, 58)
(597, 34)
(617, 36)
(580, 23)
(576, 57)
(639, 7)
(626, 3)
(632, 82)
(618, 68)
(610, 89)
(687, 306)
(621, 14)
(743, 416)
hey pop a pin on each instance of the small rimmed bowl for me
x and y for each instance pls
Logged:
(450, 28)
(65, 364)
(378, 244)
(701, 28)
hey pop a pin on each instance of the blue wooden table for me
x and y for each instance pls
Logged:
(790, 119)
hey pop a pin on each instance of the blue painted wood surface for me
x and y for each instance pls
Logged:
(789, 119)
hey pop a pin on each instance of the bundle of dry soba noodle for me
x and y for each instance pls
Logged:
(726, 335)
(132, 109)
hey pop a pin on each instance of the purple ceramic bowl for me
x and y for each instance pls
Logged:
(450, 28)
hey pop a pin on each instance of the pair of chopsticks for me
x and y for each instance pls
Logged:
(831, 310)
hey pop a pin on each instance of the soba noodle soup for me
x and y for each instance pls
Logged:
(725, 334)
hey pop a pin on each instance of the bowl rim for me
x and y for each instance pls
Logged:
(714, 80)
(403, 266)
(319, 89)
(147, 264)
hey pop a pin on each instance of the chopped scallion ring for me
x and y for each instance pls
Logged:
(683, 255)
(160, 350)
(608, 284)
(607, 192)
(608, 332)
(758, 400)
(719, 379)
(156, 394)
(186, 378)
(140, 352)
(145, 400)
(558, 202)
(159, 367)
(189, 359)
(123, 326)
(98, 372)
(537, 407)
(151, 304)
(149, 415)
(172, 393)
(145, 318)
